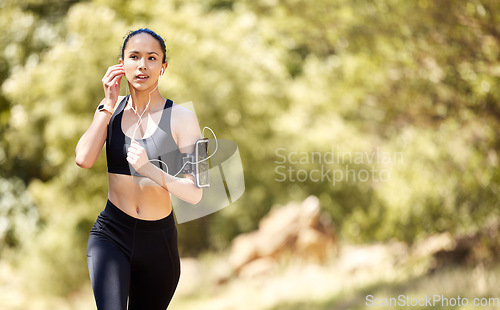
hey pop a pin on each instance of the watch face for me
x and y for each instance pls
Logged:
(100, 107)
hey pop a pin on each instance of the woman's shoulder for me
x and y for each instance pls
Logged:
(182, 113)
(120, 101)
(184, 124)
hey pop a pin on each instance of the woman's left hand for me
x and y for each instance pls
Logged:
(137, 157)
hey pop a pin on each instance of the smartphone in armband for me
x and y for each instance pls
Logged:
(202, 166)
(187, 165)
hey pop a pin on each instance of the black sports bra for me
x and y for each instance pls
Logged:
(160, 145)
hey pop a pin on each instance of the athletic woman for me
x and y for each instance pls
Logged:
(132, 252)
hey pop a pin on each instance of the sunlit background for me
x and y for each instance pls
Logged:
(368, 132)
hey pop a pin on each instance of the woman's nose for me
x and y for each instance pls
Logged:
(142, 63)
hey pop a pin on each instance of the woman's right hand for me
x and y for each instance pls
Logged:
(111, 83)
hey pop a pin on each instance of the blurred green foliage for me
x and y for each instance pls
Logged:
(417, 78)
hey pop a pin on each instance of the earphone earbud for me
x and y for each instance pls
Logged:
(161, 73)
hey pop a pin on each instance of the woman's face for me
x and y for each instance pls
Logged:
(143, 61)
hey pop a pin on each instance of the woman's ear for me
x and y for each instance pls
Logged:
(120, 61)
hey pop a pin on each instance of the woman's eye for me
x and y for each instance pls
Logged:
(152, 58)
(133, 56)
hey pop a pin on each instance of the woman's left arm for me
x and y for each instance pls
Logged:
(183, 188)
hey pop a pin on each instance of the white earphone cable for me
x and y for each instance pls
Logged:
(139, 122)
(196, 162)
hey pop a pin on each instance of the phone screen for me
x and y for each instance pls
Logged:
(202, 167)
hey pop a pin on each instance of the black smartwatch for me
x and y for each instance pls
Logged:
(103, 107)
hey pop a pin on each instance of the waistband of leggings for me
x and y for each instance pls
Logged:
(150, 225)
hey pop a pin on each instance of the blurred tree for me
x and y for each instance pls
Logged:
(403, 77)
(412, 78)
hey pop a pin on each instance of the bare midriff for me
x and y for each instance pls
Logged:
(139, 197)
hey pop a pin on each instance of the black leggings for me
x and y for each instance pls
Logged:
(132, 259)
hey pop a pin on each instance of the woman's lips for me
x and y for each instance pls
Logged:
(141, 77)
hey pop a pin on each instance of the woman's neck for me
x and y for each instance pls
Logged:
(140, 98)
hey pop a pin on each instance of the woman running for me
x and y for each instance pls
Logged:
(132, 251)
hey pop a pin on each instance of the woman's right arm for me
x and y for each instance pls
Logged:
(90, 144)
